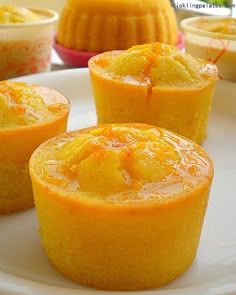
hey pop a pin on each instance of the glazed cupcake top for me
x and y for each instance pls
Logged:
(156, 65)
(122, 163)
(25, 105)
(223, 26)
(17, 14)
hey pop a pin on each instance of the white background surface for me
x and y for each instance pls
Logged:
(24, 268)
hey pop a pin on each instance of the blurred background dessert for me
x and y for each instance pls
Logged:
(50, 4)
(214, 39)
(68, 57)
(26, 36)
(17, 14)
(98, 26)
(185, 8)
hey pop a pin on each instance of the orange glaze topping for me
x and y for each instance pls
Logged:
(155, 65)
(118, 163)
(23, 105)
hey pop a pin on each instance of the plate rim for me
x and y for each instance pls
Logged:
(223, 286)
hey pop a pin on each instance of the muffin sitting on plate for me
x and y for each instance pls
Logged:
(30, 114)
(155, 84)
(121, 206)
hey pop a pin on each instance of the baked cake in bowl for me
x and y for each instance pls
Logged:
(98, 26)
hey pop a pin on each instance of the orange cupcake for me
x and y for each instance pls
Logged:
(30, 114)
(155, 84)
(121, 206)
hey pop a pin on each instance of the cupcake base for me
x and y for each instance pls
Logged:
(120, 240)
(16, 188)
(127, 249)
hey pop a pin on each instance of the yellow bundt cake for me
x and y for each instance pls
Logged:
(155, 84)
(97, 26)
(121, 206)
(30, 114)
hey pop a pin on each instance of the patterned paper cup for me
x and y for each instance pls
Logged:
(25, 48)
(213, 39)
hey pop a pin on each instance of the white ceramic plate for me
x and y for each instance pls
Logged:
(24, 268)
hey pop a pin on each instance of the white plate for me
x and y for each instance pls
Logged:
(24, 268)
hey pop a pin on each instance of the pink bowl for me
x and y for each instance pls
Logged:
(73, 58)
(77, 58)
(180, 43)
